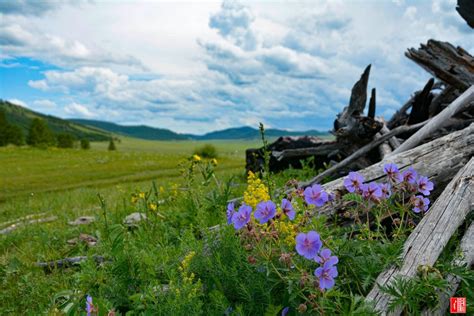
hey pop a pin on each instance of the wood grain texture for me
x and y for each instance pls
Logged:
(428, 239)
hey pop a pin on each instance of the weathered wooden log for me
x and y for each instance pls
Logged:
(426, 242)
(462, 103)
(454, 66)
(361, 152)
(439, 160)
(465, 8)
(289, 151)
(17, 225)
(443, 99)
(384, 148)
(68, 262)
(393, 141)
(466, 258)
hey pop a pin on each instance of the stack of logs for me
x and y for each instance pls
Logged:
(433, 132)
(454, 69)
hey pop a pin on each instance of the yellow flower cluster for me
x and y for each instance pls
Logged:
(214, 162)
(152, 207)
(135, 197)
(256, 191)
(196, 158)
(187, 259)
(287, 231)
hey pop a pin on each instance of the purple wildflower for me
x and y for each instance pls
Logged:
(393, 174)
(386, 190)
(308, 245)
(420, 203)
(315, 195)
(288, 209)
(325, 256)
(326, 275)
(242, 217)
(89, 305)
(285, 311)
(424, 185)
(230, 212)
(265, 211)
(409, 175)
(371, 191)
(353, 182)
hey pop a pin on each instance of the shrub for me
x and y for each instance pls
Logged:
(39, 134)
(65, 140)
(85, 144)
(206, 151)
(112, 145)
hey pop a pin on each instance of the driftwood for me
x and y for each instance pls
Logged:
(17, 225)
(462, 103)
(361, 152)
(454, 66)
(466, 9)
(439, 160)
(466, 258)
(393, 141)
(68, 262)
(13, 221)
(426, 242)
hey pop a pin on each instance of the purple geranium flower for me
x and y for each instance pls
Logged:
(287, 209)
(353, 182)
(89, 305)
(265, 211)
(386, 190)
(420, 203)
(409, 175)
(326, 275)
(242, 217)
(315, 195)
(424, 185)
(371, 191)
(230, 212)
(393, 174)
(325, 256)
(285, 311)
(308, 245)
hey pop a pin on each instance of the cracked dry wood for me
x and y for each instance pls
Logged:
(439, 160)
(428, 239)
(466, 257)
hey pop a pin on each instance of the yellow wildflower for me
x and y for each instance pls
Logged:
(196, 158)
(152, 206)
(141, 195)
(256, 191)
(214, 161)
(134, 198)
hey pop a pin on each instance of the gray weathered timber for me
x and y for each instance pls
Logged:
(453, 65)
(462, 103)
(466, 249)
(439, 160)
(17, 225)
(428, 239)
(393, 141)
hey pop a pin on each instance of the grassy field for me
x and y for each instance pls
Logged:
(29, 170)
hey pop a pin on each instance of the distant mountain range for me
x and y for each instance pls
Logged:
(152, 133)
(99, 130)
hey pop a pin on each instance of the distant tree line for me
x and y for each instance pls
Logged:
(39, 135)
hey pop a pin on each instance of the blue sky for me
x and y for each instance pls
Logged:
(198, 66)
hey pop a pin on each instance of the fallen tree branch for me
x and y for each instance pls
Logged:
(361, 152)
(17, 225)
(426, 242)
(68, 262)
(462, 103)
